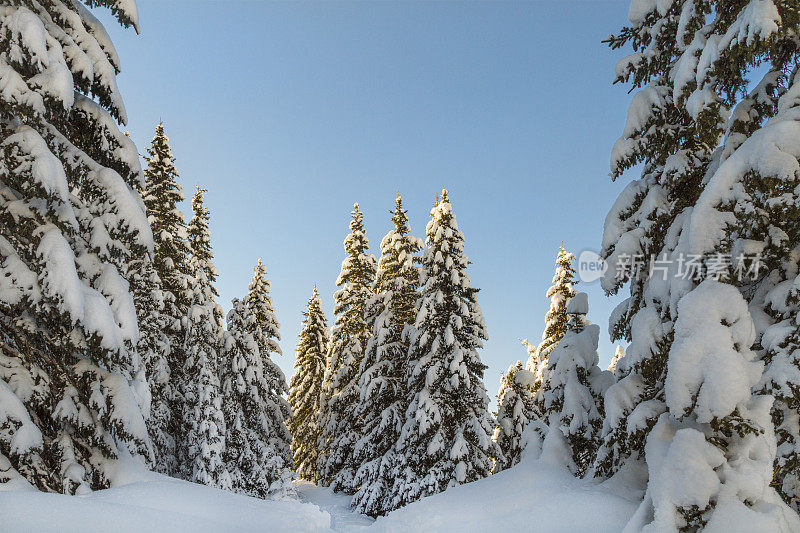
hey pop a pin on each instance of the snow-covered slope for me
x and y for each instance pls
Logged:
(535, 495)
(155, 503)
(539, 494)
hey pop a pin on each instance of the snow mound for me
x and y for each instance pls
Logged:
(157, 503)
(535, 495)
(578, 304)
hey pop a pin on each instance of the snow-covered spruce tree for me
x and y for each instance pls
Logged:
(716, 184)
(72, 386)
(747, 206)
(254, 447)
(782, 379)
(199, 235)
(555, 321)
(154, 349)
(265, 330)
(161, 195)
(714, 423)
(769, 220)
(618, 354)
(514, 403)
(560, 293)
(536, 367)
(532, 363)
(382, 404)
(203, 425)
(675, 147)
(305, 389)
(339, 424)
(322, 418)
(446, 438)
(570, 398)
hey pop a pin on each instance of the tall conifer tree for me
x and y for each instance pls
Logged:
(162, 194)
(72, 387)
(570, 398)
(203, 430)
(716, 174)
(556, 318)
(339, 425)
(254, 446)
(306, 388)
(154, 349)
(199, 235)
(382, 403)
(265, 329)
(446, 438)
(556, 324)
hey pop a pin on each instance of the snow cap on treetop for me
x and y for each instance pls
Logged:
(578, 304)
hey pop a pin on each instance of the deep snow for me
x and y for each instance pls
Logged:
(533, 496)
(155, 503)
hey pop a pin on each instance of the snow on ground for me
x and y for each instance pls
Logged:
(533, 496)
(155, 503)
(337, 505)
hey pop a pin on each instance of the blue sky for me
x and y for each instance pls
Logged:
(288, 112)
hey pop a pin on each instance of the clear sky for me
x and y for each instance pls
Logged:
(288, 112)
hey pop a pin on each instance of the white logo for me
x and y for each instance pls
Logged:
(591, 266)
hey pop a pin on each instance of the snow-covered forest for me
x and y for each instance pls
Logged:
(130, 400)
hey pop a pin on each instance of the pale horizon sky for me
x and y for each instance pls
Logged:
(289, 112)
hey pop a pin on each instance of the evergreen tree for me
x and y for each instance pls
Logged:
(199, 235)
(514, 403)
(72, 386)
(532, 364)
(254, 446)
(555, 321)
(675, 147)
(154, 349)
(161, 195)
(771, 224)
(382, 403)
(618, 354)
(781, 341)
(265, 330)
(535, 366)
(306, 388)
(570, 398)
(339, 424)
(560, 293)
(203, 420)
(715, 185)
(446, 438)
(203, 430)
(714, 422)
